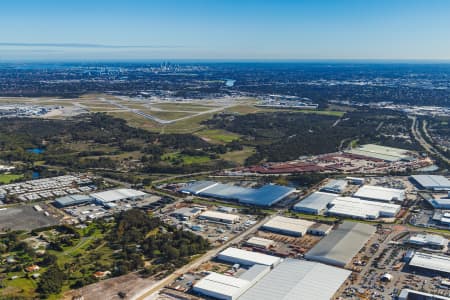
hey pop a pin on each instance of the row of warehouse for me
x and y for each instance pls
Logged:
(325, 203)
(269, 195)
(271, 277)
(105, 198)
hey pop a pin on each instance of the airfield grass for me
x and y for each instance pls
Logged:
(189, 125)
(167, 115)
(7, 178)
(136, 120)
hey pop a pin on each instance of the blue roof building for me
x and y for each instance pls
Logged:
(266, 195)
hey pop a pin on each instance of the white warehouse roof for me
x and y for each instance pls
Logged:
(249, 258)
(315, 203)
(221, 286)
(287, 225)
(298, 279)
(117, 194)
(381, 152)
(379, 193)
(428, 239)
(431, 262)
(364, 209)
(432, 182)
(218, 216)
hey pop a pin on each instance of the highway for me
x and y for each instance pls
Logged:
(422, 141)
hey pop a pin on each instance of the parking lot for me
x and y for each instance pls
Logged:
(384, 254)
(25, 217)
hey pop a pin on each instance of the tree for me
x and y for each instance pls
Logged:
(51, 281)
(48, 259)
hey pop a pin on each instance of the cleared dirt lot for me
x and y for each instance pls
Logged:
(129, 284)
(24, 218)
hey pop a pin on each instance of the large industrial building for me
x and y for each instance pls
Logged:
(433, 262)
(266, 195)
(71, 200)
(221, 286)
(341, 245)
(219, 217)
(388, 154)
(316, 203)
(247, 258)
(432, 182)
(378, 193)
(292, 279)
(117, 195)
(362, 209)
(334, 186)
(298, 279)
(287, 226)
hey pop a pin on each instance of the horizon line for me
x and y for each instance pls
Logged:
(229, 60)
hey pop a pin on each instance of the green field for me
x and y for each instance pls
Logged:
(186, 159)
(239, 156)
(218, 135)
(7, 178)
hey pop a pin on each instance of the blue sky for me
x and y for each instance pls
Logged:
(224, 30)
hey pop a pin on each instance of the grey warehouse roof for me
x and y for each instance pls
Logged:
(298, 279)
(335, 186)
(315, 201)
(73, 200)
(342, 244)
(432, 181)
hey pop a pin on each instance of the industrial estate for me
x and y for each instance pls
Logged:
(224, 181)
(359, 232)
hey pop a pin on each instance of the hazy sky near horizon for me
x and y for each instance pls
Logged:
(224, 29)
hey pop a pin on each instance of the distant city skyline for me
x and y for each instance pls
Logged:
(232, 30)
